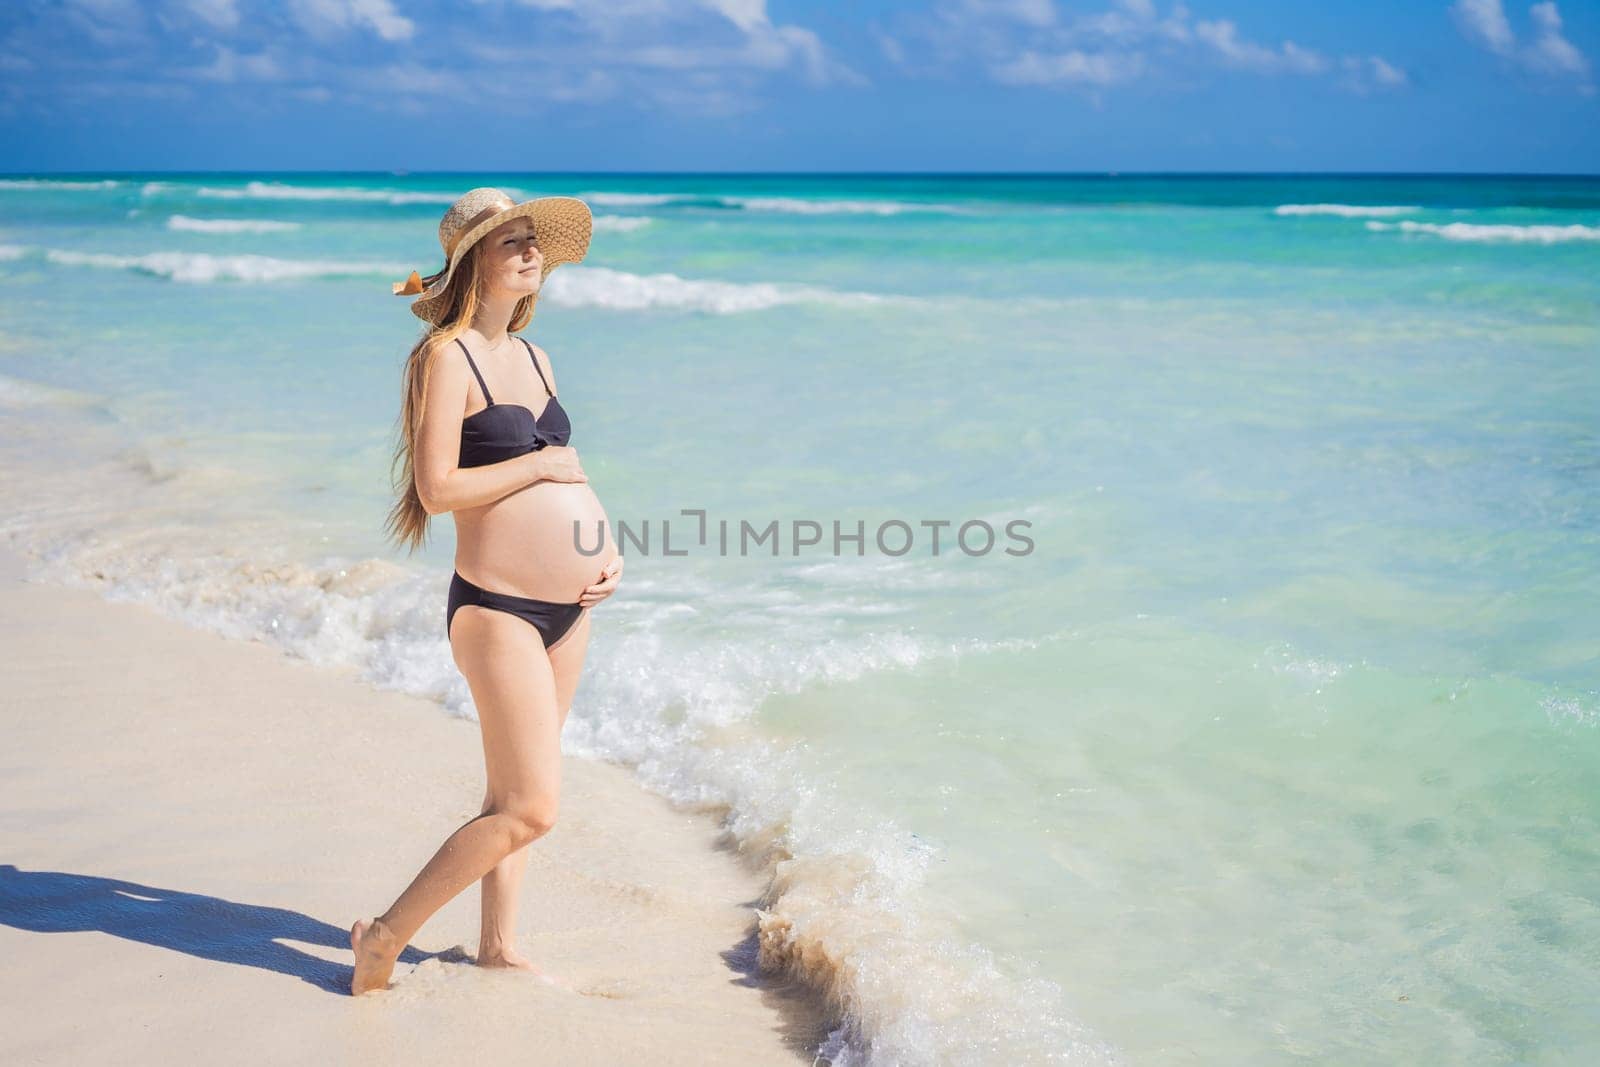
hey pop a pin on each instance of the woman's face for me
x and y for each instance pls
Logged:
(511, 261)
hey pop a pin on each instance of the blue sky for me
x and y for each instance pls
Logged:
(741, 85)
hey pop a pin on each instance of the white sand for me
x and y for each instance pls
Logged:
(191, 824)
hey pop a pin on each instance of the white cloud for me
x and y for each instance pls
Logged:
(1385, 73)
(324, 19)
(892, 49)
(1548, 53)
(218, 14)
(114, 11)
(1364, 74)
(690, 57)
(1027, 12)
(1223, 36)
(1551, 51)
(1104, 68)
(749, 15)
(1485, 21)
(1128, 41)
(589, 85)
(230, 66)
(1134, 19)
(112, 23)
(409, 80)
(676, 34)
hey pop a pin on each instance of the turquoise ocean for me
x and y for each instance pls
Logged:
(1276, 742)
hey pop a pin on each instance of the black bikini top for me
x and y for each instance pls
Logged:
(504, 431)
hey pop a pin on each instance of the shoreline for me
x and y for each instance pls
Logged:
(225, 811)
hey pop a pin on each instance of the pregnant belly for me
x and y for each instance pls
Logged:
(523, 544)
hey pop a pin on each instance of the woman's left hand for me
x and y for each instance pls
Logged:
(605, 586)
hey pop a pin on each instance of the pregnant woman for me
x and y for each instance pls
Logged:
(484, 438)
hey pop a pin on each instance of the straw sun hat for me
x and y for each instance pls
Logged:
(561, 228)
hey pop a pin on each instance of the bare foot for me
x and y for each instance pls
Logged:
(376, 951)
(510, 959)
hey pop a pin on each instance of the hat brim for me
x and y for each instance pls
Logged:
(562, 226)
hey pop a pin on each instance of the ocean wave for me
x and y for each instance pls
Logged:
(621, 223)
(20, 393)
(572, 286)
(792, 205)
(12, 251)
(602, 287)
(798, 206)
(203, 267)
(633, 199)
(257, 190)
(184, 222)
(55, 183)
(1348, 211)
(1469, 231)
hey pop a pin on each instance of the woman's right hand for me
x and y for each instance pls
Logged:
(559, 463)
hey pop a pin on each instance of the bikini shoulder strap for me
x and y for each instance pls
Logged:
(476, 373)
(535, 359)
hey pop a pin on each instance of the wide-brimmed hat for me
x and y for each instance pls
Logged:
(561, 229)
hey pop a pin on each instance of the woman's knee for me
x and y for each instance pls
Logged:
(529, 818)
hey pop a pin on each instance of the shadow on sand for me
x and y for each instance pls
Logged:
(249, 935)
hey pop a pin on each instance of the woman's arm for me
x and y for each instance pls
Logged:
(441, 485)
(470, 487)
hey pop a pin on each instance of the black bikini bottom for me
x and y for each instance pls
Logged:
(550, 619)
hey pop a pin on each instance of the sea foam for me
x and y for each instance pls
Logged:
(620, 223)
(621, 290)
(1343, 210)
(56, 184)
(1469, 231)
(790, 205)
(572, 285)
(203, 267)
(185, 222)
(258, 190)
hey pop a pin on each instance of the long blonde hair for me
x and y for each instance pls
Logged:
(407, 524)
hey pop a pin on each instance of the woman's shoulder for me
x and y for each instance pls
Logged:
(440, 353)
(436, 343)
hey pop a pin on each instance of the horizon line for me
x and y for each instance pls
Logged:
(407, 172)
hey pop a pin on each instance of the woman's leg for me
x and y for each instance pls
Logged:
(502, 887)
(513, 688)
